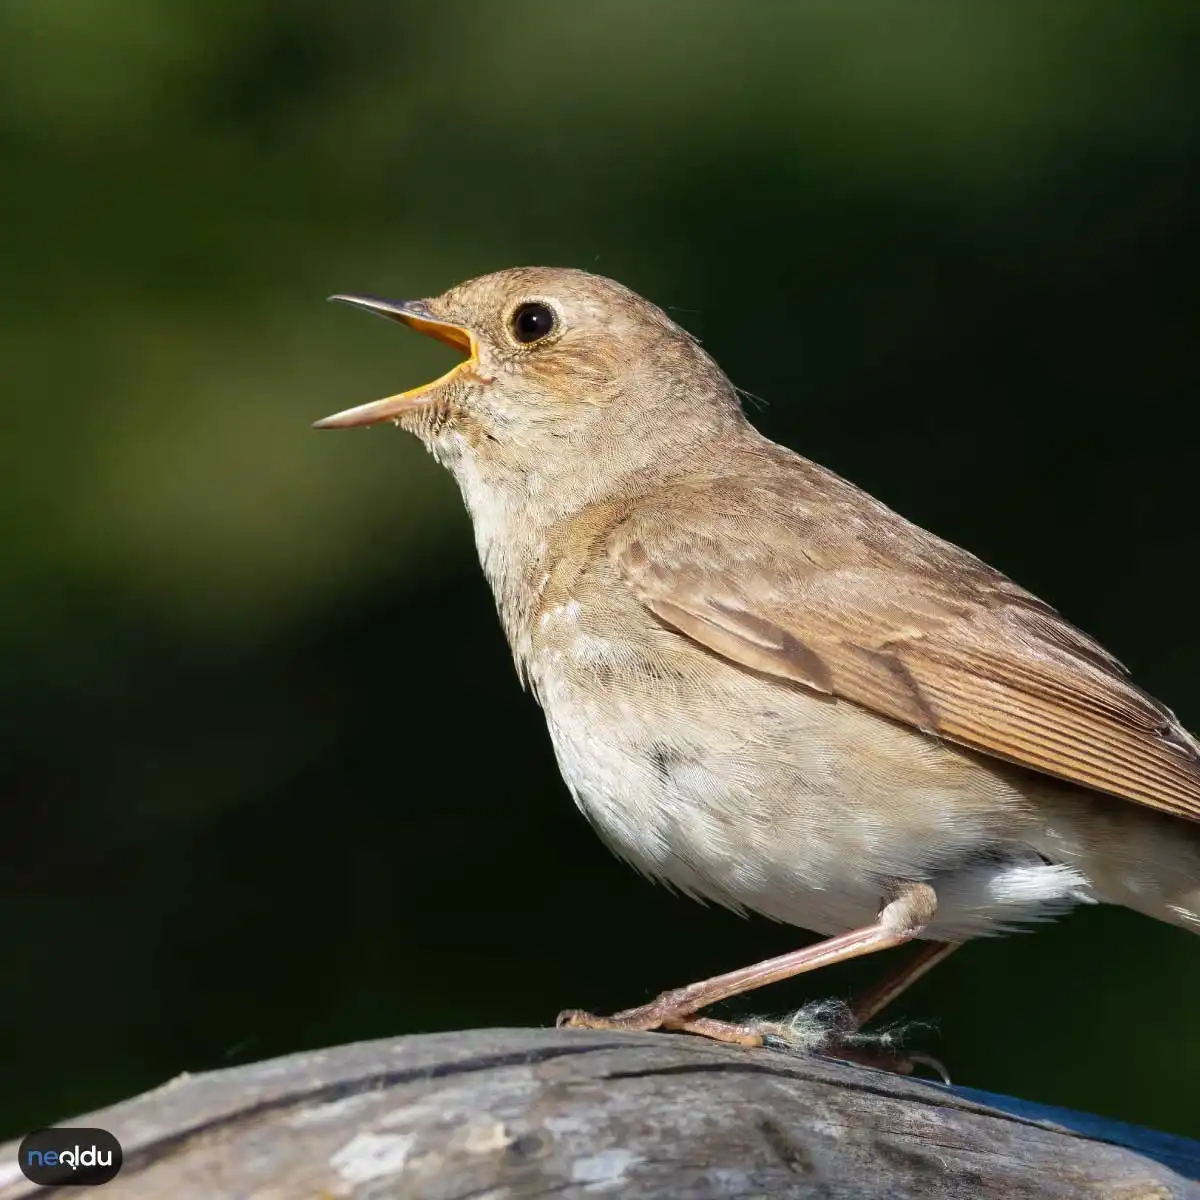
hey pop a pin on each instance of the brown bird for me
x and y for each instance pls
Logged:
(765, 687)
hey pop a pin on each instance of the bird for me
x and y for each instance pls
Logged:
(763, 686)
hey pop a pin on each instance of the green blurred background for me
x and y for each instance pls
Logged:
(269, 778)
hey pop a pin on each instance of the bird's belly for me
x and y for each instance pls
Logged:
(771, 799)
(689, 825)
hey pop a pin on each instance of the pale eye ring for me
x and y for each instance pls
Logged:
(532, 321)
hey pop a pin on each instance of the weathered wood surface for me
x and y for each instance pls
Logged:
(514, 1113)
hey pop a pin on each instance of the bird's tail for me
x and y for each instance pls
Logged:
(1131, 855)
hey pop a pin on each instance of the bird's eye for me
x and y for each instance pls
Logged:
(532, 321)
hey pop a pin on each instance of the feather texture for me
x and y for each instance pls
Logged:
(866, 606)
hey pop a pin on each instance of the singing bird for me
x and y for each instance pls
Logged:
(763, 686)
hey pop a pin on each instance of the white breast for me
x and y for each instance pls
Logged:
(772, 810)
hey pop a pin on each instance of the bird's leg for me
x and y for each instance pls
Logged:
(842, 1042)
(868, 1006)
(899, 921)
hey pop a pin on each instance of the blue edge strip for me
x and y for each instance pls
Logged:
(1181, 1154)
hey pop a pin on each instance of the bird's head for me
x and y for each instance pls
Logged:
(564, 373)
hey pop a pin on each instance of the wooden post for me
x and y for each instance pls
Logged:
(510, 1113)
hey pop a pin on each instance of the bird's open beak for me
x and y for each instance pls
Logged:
(414, 313)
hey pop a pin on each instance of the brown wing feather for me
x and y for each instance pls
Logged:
(806, 578)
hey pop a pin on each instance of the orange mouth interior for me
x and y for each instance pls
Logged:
(390, 408)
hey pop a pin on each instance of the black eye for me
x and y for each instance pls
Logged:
(531, 322)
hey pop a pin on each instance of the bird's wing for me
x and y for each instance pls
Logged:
(843, 596)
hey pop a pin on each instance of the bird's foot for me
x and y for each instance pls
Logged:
(664, 1012)
(824, 1028)
(833, 1030)
(661, 1015)
(886, 1060)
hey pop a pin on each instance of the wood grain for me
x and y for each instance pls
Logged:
(513, 1113)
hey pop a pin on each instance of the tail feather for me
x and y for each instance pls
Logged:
(1132, 856)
